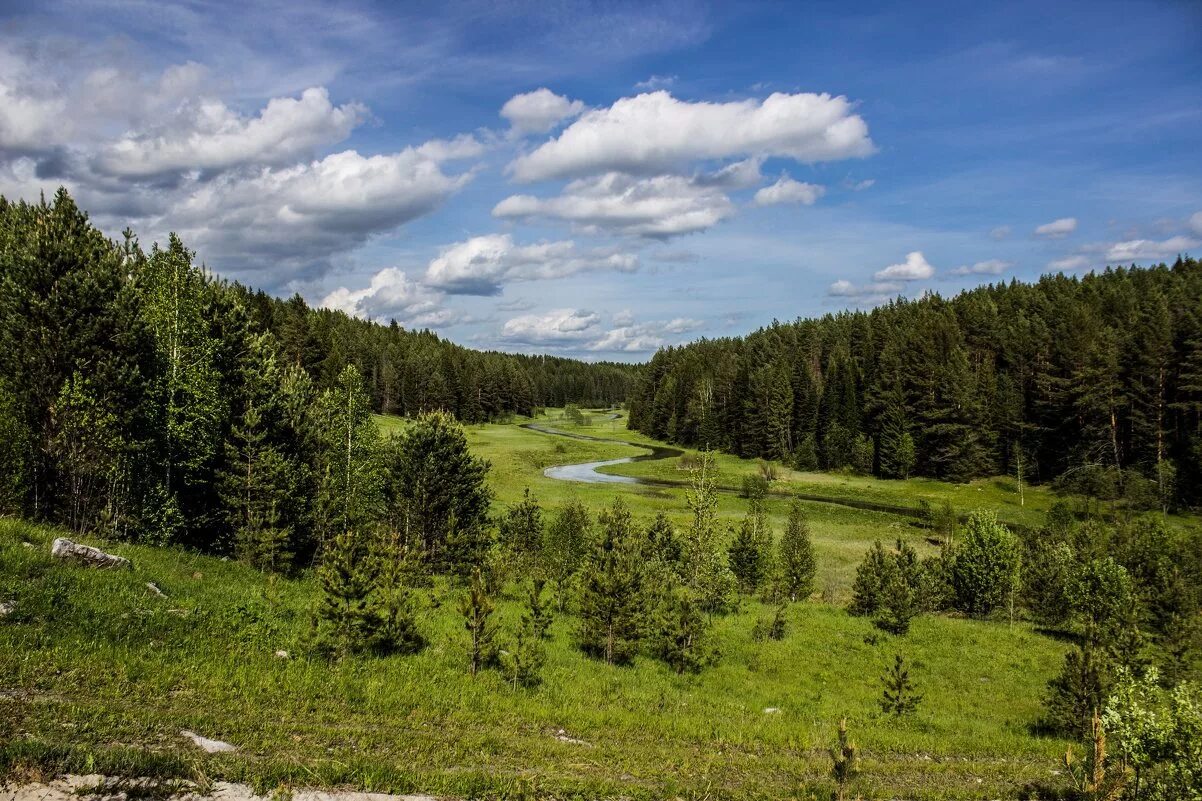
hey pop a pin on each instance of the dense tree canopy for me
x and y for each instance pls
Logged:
(1096, 378)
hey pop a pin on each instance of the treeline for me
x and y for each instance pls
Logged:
(409, 372)
(140, 394)
(1095, 380)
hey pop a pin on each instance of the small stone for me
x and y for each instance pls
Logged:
(771, 710)
(282, 654)
(207, 745)
(154, 590)
(26, 544)
(7, 608)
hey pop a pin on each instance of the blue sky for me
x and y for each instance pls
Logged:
(600, 180)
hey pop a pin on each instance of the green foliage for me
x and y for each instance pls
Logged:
(845, 762)
(775, 627)
(986, 571)
(477, 610)
(707, 570)
(350, 476)
(1158, 734)
(899, 696)
(87, 445)
(1047, 582)
(437, 494)
(1078, 691)
(750, 554)
(567, 545)
(363, 606)
(538, 615)
(520, 534)
(797, 564)
(683, 642)
(612, 603)
(890, 587)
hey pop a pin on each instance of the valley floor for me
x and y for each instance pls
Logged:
(100, 675)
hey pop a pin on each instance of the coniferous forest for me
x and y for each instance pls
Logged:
(141, 395)
(1094, 382)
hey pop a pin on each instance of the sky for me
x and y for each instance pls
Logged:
(600, 180)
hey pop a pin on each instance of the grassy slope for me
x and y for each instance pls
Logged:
(203, 659)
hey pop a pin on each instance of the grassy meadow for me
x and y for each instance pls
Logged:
(98, 674)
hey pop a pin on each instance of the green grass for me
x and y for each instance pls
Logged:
(99, 675)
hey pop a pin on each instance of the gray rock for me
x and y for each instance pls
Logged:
(64, 548)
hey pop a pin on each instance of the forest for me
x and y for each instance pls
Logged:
(135, 387)
(353, 523)
(1093, 381)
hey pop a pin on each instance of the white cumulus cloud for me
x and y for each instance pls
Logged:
(392, 295)
(914, 268)
(559, 326)
(1057, 229)
(207, 135)
(480, 265)
(539, 111)
(657, 207)
(655, 132)
(786, 190)
(1148, 249)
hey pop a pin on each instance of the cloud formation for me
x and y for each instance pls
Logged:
(1148, 249)
(1057, 229)
(1068, 264)
(914, 268)
(655, 133)
(659, 207)
(480, 265)
(539, 111)
(207, 135)
(988, 267)
(786, 190)
(392, 295)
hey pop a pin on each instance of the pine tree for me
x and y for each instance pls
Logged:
(477, 609)
(396, 624)
(567, 546)
(664, 544)
(538, 615)
(901, 591)
(523, 664)
(845, 763)
(872, 576)
(897, 445)
(434, 481)
(707, 570)
(348, 579)
(520, 533)
(611, 595)
(899, 697)
(798, 565)
(350, 477)
(683, 644)
(750, 554)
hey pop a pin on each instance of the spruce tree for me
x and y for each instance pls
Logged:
(350, 477)
(797, 563)
(872, 576)
(899, 697)
(538, 615)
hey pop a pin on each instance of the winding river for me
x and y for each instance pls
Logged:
(586, 472)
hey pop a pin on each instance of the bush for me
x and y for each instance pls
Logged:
(987, 562)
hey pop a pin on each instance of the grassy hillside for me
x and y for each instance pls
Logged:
(99, 674)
